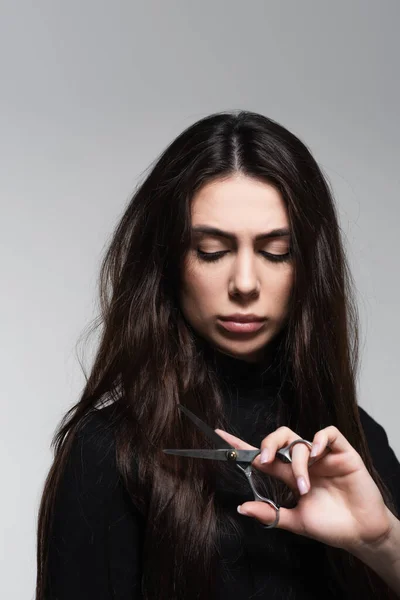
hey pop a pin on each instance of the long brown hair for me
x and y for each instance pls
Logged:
(148, 358)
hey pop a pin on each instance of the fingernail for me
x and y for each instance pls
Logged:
(314, 450)
(302, 485)
(241, 511)
(264, 456)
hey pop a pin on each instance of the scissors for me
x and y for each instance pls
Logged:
(241, 458)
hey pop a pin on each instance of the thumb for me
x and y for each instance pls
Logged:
(266, 514)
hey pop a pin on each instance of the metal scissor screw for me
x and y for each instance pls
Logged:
(231, 455)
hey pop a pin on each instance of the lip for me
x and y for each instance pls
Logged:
(242, 323)
(242, 318)
(241, 326)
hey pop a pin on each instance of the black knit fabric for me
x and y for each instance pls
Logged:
(95, 547)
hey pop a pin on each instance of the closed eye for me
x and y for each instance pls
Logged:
(214, 256)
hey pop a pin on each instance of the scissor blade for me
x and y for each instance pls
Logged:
(210, 433)
(220, 454)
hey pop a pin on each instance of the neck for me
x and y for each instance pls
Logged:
(264, 356)
(260, 357)
(244, 374)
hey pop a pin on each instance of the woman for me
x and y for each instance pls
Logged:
(235, 217)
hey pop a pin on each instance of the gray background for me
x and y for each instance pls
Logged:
(91, 92)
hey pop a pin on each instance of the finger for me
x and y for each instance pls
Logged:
(234, 441)
(265, 514)
(276, 468)
(300, 455)
(291, 474)
(331, 437)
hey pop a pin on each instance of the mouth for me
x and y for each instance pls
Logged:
(236, 326)
(242, 318)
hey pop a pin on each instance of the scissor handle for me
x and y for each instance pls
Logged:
(284, 454)
(249, 474)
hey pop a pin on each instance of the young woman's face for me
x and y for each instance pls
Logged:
(247, 275)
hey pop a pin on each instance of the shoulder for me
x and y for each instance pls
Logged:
(91, 462)
(96, 531)
(385, 460)
(376, 435)
(96, 432)
(369, 423)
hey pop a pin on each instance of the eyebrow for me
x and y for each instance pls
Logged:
(214, 231)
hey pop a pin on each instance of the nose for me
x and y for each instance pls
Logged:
(244, 279)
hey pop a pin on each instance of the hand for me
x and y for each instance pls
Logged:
(343, 507)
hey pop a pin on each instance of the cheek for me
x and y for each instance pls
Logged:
(200, 295)
(193, 284)
(199, 279)
(281, 287)
(201, 286)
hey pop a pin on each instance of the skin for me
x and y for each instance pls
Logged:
(341, 505)
(243, 280)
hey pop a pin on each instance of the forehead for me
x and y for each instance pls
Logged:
(238, 204)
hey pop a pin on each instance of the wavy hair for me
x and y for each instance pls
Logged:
(149, 359)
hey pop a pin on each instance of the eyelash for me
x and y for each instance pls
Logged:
(214, 256)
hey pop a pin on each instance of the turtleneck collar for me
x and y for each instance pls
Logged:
(240, 373)
(243, 375)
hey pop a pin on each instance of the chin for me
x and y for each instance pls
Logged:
(241, 350)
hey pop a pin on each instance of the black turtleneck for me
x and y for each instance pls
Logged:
(246, 378)
(250, 393)
(95, 546)
(257, 563)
